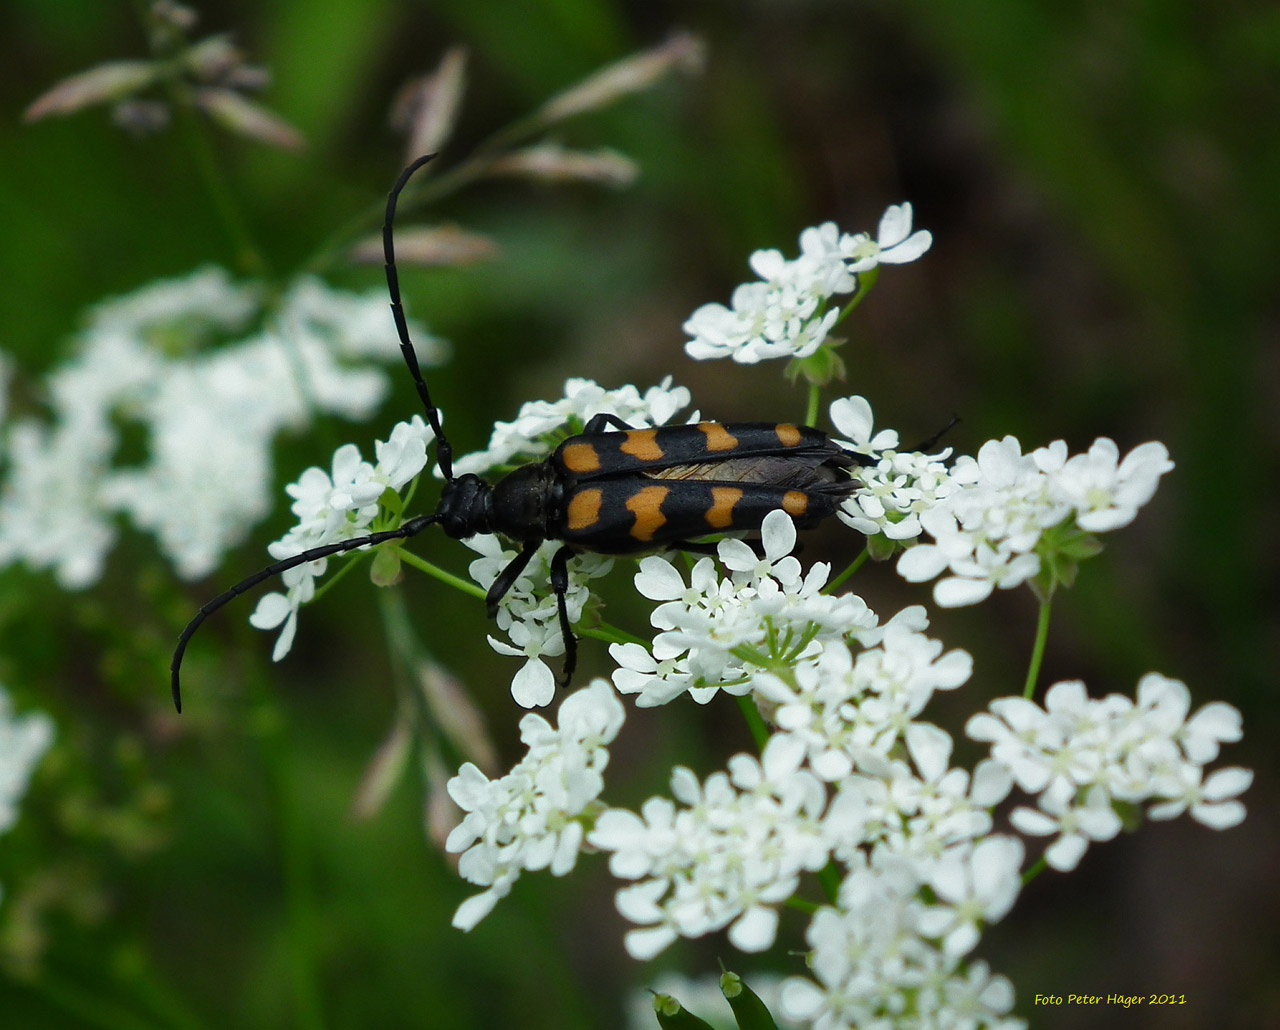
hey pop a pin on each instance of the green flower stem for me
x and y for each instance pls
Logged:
(755, 721)
(1037, 650)
(1035, 869)
(606, 632)
(299, 899)
(866, 280)
(248, 255)
(610, 634)
(162, 998)
(457, 582)
(401, 643)
(295, 860)
(89, 1008)
(811, 412)
(849, 570)
(829, 878)
(343, 569)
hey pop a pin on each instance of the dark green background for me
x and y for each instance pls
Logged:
(1100, 179)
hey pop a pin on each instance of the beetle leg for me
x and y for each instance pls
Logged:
(560, 584)
(598, 424)
(509, 575)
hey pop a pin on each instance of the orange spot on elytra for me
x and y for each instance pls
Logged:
(646, 506)
(788, 434)
(795, 503)
(584, 508)
(720, 514)
(642, 444)
(718, 438)
(580, 457)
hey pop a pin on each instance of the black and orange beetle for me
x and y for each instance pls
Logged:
(611, 489)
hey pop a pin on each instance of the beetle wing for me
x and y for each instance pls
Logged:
(591, 456)
(632, 514)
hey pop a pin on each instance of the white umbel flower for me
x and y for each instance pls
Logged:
(714, 630)
(210, 415)
(785, 313)
(331, 507)
(533, 817)
(725, 854)
(1080, 754)
(23, 741)
(997, 509)
(540, 425)
(895, 243)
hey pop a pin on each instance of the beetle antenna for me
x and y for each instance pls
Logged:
(410, 528)
(444, 453)
(927, 445)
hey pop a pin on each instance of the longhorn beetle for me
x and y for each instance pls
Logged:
(610, 489)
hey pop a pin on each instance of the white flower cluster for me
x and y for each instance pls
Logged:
(528, 612)
(1081, 756)
(786, 314)
(876, 956)
(734, 850)
(716, 631)
(209, 415)
(884, 952)
(894, 487)
(987, 527)
(851, 774)
(852, 710)
(334, 506)
(23, 742)
(840, 720)
(534, 817)
(540, 425)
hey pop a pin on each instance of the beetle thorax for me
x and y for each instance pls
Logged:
(527, 503)
(466, 507)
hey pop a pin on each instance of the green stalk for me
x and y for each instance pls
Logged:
(457, 582)
(401, 646)
(829, 878)
(86, 1006)
(1037, 649)
(1035, 869)
(295, 862)
(811, 411)
(247, 253)
(849, 570)
(755, 721)
(610, 634)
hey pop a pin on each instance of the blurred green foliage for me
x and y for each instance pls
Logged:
(1100, 179)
